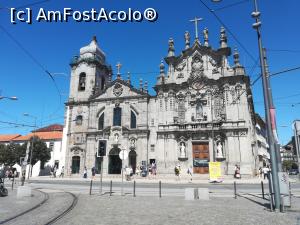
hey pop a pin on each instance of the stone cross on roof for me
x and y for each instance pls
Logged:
(195, 20)
(119, 65)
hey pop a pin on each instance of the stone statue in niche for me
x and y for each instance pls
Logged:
(116, 137)
(182, 150)
(187, 39)
(132, 143)
(219, 150)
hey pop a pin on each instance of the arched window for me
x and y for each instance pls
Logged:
(81, 84)
(199, 110)
(78, 120)
(101, 122)
(117, 116)
(132, 120)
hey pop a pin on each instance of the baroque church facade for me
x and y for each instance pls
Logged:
(202, 112)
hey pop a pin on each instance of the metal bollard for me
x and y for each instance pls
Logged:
(110, 188)
(290, 193)
(160, 189)
(262, 189)
(271, 202)
(91, 185)
(133, 188)
(234, 186)
(282, 204)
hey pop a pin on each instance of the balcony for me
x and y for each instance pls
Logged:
(201, 126)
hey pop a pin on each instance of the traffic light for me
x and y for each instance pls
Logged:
(101, 148)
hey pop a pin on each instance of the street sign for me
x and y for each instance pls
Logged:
(123, 154)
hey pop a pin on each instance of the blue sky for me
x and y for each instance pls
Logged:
(140, 47)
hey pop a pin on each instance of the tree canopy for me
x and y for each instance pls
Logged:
(10, 154)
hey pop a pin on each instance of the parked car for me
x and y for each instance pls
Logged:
(293, 171)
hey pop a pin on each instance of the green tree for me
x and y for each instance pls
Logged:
(287, 165)
(10, 154)
(40, 151)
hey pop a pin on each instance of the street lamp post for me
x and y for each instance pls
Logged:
(268, 102)
(271, 141)
(31, 147)
(297, 141)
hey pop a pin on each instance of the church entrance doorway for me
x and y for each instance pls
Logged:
(75, 164)
(132, 160)
(114, 161)
(200, 158)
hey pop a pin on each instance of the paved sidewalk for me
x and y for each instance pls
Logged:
(115, 210)
(11, 205)
(164, 179)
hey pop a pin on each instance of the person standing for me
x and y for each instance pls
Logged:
(190, 172)
(62, 172)
(85, 172)
(54, 171)
(93, 173)
(265, 172)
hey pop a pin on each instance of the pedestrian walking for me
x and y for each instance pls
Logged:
(177, 171)
(54, 171)
(265, 172)
(93, 173)
(190, 173)
(62, 172)
(237, 172)
(85, 172)
(259, 172)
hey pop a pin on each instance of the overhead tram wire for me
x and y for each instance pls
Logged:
(283, 50)
(272, 74)
(231, 5)
(229, 30)
(28, 5)
(17, 124)
(34, 60)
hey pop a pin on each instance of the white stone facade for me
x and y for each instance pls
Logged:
(202, 112)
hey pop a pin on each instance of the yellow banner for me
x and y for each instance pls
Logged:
(215, 170)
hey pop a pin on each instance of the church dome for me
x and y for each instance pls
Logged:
(92, 50)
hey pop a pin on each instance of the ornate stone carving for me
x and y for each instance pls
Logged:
(180, 75)
(76, 150)
(219, 106)
(197, 66)
(181, 66)
(118, 89)
(197, 78)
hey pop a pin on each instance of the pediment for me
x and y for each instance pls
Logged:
(215, 55)
(118, 89)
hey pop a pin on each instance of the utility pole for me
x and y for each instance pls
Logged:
(296, 134)
(271, 142)
(272, 113)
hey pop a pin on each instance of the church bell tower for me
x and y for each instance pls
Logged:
(90, 73)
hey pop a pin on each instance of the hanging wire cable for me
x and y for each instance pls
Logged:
(17, 124)
(27, 5)
(229, 30)
(231, 5)
(35, 61)
(283, 50)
